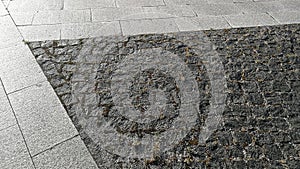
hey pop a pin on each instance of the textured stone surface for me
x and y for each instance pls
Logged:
(14, 53)
(135, 27)
(216, 9)
(7, 117)
(35, 5)
(18, 73)
(9, 33)
(87, 4)
(133, 13)
(86, 30)
(23, 18)
(3, 10)
(249, 20)
(45, 14)
(40, 32)
(286, 17)
(261, 119)
(42, 118)
(13, 152)
(131, 3)
(201, 23)
(62, 16)
(69, 154)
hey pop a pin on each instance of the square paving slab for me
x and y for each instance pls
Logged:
(206, 99)
(13, 153)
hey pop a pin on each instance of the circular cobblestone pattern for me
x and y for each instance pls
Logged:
(103, 81)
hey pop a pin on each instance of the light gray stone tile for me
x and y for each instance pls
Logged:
(287, 17)
(216, 9)
(96, 29)
(250, 7)
(174, 11)
(242, 1)
(135, 27)
(23, 18)
(130, 13)
(219, 2)
(262, 0)
(43, 120)
(188, 2)
(2, 92)
(270, 6)
(62, 16)
(20, 73)
(178, 2)
(201, 23)
(139, 3)
(227, 1)
(6, 3)
(292, 5)
(7, 117)
(249, 20)
(2, 10)
(9, 34)
(35, 5)
(87, 4)
(10, 54)
(18, 68)
(13, 152)
(113, 14)
(197, 2)
(69, 154)
(40, 32)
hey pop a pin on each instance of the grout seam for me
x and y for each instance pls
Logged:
(8, 127)
(26, 87)
(224, 17)
(121, 28)
(273, 17)
(55, 145)
(18, 124)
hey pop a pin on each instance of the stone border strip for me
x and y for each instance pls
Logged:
(42, 129)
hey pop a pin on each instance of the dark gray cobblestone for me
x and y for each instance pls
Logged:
(261, 122)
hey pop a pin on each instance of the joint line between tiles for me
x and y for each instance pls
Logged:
(18, 124)
(55, 145)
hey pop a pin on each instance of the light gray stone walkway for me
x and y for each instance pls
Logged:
(45, 20)
(35, 130)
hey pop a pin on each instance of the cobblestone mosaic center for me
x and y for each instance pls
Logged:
(214, 99)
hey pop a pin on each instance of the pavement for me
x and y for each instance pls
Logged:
(36, 130)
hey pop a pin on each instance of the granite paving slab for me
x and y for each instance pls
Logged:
(250, 20)
(3, 11)
(13, 152)
(204, 99)
(41, 117)
(87, 4)
(69, 154)
(287, 17)
(7, 117)
(35, 5)
(9, 34)
(19, 69)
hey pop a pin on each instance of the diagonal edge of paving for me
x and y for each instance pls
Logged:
(36, 122)
(28, 89)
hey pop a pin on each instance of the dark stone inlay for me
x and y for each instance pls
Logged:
(139, 93)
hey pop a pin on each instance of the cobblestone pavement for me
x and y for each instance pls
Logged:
(97, 79)
(256, 126)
